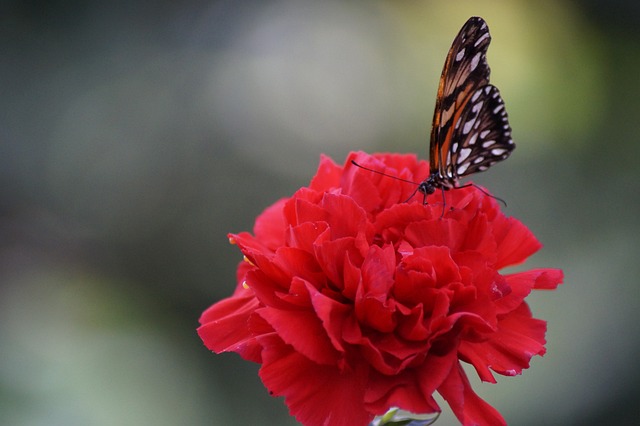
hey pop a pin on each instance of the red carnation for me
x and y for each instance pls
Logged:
(355, 301)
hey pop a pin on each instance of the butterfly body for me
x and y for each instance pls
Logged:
(470, 130)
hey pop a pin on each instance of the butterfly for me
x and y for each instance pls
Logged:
(470, 130)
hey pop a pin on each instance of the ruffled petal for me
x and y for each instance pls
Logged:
(316, 395)
(468, 407)
(518, 338)
(225, 327)
(270, 226)
(515, 242)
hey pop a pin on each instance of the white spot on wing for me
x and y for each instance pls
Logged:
(473, 139)
(475, 61)
(498, 108)
(463, 168)
(464, 153)
(488, 143)
(484, 134)
(498, 151)
(454, 147)
(460, 55)
(468, 125)
(484, 36)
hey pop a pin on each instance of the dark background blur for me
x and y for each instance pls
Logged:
(134, 135)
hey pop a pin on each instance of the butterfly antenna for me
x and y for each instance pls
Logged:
(484, 192)
(391, 176)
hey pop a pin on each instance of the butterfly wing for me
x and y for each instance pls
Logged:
(481, 135)
(465, 71)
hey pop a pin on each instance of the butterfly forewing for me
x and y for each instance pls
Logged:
(481, 134)
(465, 70)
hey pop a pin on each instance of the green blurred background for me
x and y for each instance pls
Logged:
(134, 135)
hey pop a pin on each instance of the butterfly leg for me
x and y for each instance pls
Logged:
(444, 203)
(424, 200)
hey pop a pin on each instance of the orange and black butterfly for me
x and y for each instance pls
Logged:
(470, 130)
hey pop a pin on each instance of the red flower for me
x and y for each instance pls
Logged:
(355, 301)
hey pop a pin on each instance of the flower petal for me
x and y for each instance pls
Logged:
(317, 395)
(519, 337)
(269, 227)
(304, 331)
(225, 327)
(521, 284)
(327, 176)
(515, 242)
(468, 407)
(411, 389)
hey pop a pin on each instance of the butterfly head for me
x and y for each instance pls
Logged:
(429, 185)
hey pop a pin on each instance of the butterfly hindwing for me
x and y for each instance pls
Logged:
(481, 134)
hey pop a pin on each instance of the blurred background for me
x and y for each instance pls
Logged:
(134, 135)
